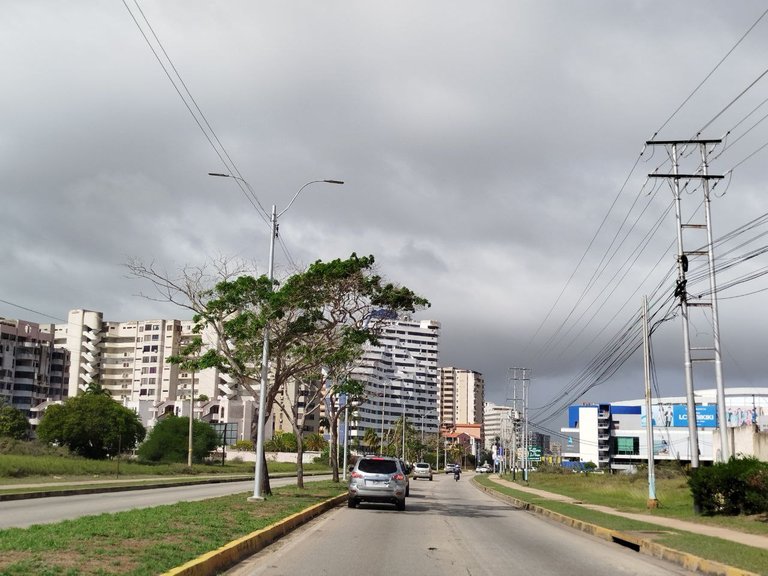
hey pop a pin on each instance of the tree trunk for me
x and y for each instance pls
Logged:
(266, 489)
(332, 447)
(299, 454)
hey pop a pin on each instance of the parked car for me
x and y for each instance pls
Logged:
(377, 479)
(422, 470)
(451, 468)
(483, 469)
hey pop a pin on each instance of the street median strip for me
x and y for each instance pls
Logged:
(240, 549)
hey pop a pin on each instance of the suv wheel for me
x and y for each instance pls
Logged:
(351, 503)
(400, 504)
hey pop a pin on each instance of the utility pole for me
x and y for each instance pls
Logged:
(692, 354)
(652, 501)
(521, 375)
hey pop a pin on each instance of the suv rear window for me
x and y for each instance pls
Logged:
(378, 466)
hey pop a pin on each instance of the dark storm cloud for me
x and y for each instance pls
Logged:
(481, 146)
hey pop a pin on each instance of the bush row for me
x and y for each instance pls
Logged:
(739, 486)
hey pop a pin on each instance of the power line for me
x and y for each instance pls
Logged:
(207, 130)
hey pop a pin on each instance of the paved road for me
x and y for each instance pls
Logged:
(448, 528)
(24, 513)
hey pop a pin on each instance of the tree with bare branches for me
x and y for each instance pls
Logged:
(319, 320)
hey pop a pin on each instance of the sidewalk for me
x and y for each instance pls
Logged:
(754, 540)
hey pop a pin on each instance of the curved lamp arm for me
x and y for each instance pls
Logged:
(283, 211)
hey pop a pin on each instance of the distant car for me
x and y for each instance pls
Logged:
(422, 470)
(377, 479)
(483, 469)
(451, 468)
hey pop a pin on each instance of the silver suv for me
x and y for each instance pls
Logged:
(377, 479)
(422, 470)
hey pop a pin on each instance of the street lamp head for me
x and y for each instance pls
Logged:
(334, 181)
(219, 174)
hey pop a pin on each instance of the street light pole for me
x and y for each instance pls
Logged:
(257, 489)
(191, 418)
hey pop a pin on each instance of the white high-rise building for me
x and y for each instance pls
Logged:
(462, 393)
(400, 377)
(130, 359)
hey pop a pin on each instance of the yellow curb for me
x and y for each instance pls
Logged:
(237, 550)
(688, 561)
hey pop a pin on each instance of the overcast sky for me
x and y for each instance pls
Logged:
(491, 153)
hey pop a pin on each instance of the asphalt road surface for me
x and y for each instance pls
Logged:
(449, 528)
(24, 513)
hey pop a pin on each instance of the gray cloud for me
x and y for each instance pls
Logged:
(481, 146)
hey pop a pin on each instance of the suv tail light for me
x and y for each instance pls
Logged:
(399, 477)
(356, 475)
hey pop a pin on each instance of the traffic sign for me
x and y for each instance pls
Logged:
(534, 454)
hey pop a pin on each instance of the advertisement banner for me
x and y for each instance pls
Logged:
(706, 416)
(676, 416)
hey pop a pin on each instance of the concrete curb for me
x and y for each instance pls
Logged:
(240, 549)
(642, 545)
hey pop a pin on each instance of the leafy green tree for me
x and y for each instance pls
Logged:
(13, 423)
(168, 441)
(91, 425)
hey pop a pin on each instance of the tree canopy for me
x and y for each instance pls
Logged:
(91, 425)
(13, 423)
(168, 441)
(318, 322)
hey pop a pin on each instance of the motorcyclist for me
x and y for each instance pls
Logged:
(456, 473)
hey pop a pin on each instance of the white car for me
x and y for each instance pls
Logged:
(484, 469)
(422, 470)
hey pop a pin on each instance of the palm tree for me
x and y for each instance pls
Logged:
(371, 439)
(315, 442)
(96, 389)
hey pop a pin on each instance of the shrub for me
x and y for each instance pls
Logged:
(244, 445)
(739, 486)
(31, 448)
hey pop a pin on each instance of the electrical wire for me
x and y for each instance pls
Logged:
(199, 117)
(708, 76)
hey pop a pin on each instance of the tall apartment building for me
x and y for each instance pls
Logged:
(497, 423)
(130, 359)
(32, 368)
(400, 376)
(462, 394)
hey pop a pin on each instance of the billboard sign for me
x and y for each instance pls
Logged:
(676, 416)
(706, 416)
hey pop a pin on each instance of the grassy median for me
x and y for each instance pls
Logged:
(148, 541)
(726, 552)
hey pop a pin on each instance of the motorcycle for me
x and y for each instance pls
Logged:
(457, 474)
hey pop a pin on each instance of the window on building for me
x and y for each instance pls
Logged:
(626, 445)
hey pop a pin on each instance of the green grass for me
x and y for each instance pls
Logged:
(28, 469)
(148, 541)
(602, 492)
(630, 494)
